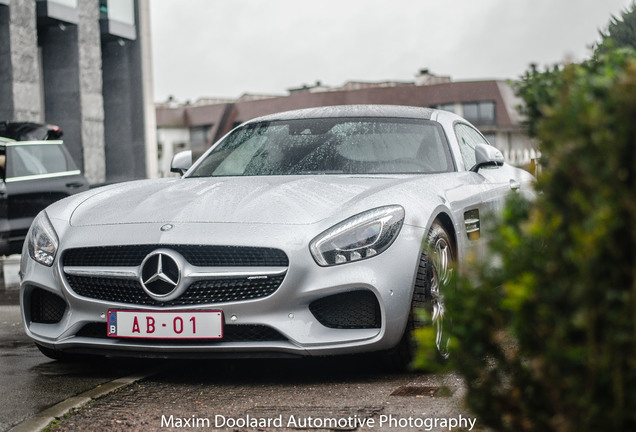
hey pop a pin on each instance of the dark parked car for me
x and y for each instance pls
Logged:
(36, 170)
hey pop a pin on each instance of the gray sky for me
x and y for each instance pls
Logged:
(225, 48)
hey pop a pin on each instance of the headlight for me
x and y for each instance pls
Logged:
(42, 241)
(359, 237)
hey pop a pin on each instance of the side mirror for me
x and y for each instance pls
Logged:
(486, 155)
(181, 162)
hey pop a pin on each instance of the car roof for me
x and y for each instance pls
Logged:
(392, 111)
(23, 131)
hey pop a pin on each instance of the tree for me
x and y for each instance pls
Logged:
(621, 32)
(538, 88)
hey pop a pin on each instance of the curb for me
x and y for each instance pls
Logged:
(41, 420)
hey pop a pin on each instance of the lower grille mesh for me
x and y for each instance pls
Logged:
(231, 333)
(46, 307)
(351, 310)
(200, 292)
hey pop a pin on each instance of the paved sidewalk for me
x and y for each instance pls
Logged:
(276, 396)
(31, 383)
(9, 269)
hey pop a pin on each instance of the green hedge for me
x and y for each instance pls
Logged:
(546, 333)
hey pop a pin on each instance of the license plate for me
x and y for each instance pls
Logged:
(165, 325)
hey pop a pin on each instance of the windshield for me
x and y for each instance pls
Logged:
(329, 146)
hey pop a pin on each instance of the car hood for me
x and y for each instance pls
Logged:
(279, 200)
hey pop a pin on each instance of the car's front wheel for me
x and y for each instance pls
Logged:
(434, 277)
(439, 278)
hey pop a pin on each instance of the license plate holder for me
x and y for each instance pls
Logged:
(139, 324)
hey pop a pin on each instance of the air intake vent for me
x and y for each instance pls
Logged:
(46, 307)
(231, 333)
(350, 310)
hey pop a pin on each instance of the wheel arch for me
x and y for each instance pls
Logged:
(445, 220)
(403, 353)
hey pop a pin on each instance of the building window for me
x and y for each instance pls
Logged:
(55, 11)
(69, 3)
(470, 112)
(481, 113)
(491, 138)
(450, 107)
(118, 18)
(119, 10)
(178, 147)
(199, 137)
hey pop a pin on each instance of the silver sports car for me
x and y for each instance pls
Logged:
(306, 233)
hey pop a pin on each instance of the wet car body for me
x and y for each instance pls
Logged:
(315, 257)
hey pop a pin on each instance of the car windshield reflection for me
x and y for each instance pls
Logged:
(329, 146)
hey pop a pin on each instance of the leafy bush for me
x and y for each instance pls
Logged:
(546, 338)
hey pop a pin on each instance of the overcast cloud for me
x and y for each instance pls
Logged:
(225, 48)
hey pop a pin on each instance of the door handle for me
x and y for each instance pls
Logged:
(74, 185)
(515, 185)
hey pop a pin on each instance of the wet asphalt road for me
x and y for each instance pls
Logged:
(276, 395)
(29, 381)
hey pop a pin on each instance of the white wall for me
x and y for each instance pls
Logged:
(169, 139)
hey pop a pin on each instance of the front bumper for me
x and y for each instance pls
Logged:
(290, 327)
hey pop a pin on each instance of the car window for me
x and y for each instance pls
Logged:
(330, 146)
(35, 159)
(468, 138)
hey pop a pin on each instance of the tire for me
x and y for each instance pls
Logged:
(440, 278)
(434, 276)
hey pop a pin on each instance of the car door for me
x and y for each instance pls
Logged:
(487, 188)
(38, 173)
(496, 180)
(4, 217)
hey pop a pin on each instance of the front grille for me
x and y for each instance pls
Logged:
(211, 291)
(200, 292)
(197, 255)
(231, 333)
(46, 307)
(350, 310)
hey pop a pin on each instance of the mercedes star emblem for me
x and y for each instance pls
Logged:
(160, 274)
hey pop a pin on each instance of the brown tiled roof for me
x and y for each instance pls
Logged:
(224, 116)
